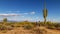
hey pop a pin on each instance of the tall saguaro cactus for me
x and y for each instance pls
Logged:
(45, 15)
(45, 12)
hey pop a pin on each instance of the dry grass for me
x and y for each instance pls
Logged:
(28, 28)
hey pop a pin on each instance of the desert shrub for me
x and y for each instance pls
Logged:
(4, 31)
(49, 23)
(9, 27)
(12, 25)
(33, 23)
(57, 25)
(58, 28)
(51, 27)
(28, 26)
(17, 26)
(5, 27)
(2, 27)
(41, 23)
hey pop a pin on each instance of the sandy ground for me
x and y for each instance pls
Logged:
(50, 31)
(20, 30)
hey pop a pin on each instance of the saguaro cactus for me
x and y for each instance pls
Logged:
(45, 12)
(45, 15)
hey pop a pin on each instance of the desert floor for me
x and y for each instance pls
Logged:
(42, 30)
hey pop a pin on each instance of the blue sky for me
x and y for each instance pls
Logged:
(31, 10)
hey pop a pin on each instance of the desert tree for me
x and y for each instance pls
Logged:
(4, 21)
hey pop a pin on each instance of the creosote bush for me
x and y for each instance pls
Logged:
(2, 27)
(28, 26)
(51, 27)
(5, 27)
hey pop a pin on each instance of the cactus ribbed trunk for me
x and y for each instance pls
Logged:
(44, 20)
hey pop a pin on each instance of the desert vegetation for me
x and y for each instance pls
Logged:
(28, 27)
(6, 26)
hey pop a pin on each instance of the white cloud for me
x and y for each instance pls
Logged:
(13, 11)
(22, 13)
(11, 14)
(26, 13)
(32, 12)
(29, 13)
(18, 16)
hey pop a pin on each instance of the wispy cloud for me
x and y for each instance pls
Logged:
(29, 13)
(18, 16)
(11, 14)
(13, 11)
(32, 12)
(26, 13)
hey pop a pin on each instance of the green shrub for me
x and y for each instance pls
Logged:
(2, 27)
(9, 27)
(51, 27)
(12, 25)
(5, 27)
(28, 26)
